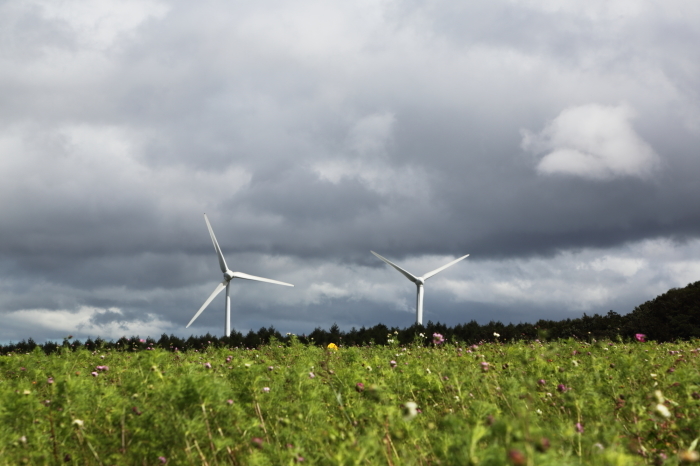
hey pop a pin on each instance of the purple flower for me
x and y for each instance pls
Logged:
(266, 389)
(49, 380)
(312, 375)
(360, 387)
(561, 388)
(94, 374)
(640, 337)
(484, 366)
(257, 441)
(207, 365)
(142, 340)
(579, 428)
(438, 339)
(229, 402)
(393, 363)
(541, 382)
(162, 459)
(270, 368)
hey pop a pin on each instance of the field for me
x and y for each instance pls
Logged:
(519, 403)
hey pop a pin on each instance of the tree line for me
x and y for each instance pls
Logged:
(674, 315)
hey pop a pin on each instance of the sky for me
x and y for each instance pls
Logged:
(556, 142)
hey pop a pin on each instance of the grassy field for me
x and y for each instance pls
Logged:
(551, 403)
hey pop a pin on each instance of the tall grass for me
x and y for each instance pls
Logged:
(559, 403)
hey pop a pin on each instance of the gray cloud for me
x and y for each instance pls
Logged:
(311, 134)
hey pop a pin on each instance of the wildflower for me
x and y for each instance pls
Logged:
(541, 382)
(94, 374)
(102, 368)
(538, 411)
(49, 380)
(516, 457)
(640, 337)
(162, 459)
(438, 339)
(332, 346)
(369, 368)
(496, 334)
(663, 410)
(229, 358)
(269, 368)
(359, 387)
(579, 428)
(561, 388)
(23, 369)
(141, 340)
(409, 410)
(136, 411)
(312, 375)
(542, 445)
(484, 366)
(23, 439)
(230, 402)
(266, 389)
(689, 456)
(77, 422)
(393, 363)
(427, 370)
(257, 441)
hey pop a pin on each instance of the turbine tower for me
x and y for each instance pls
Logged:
(419, 281)
(228, 276)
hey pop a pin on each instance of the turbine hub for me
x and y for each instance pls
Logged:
(228, 275)
(420, 281)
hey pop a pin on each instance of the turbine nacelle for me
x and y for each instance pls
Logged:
(228, 275)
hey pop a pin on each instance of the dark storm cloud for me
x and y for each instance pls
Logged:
(313, 134)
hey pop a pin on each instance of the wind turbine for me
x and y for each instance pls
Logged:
(228, 276)
(419, 281)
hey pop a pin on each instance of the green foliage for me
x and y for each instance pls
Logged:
(535, 403)
(671, 316)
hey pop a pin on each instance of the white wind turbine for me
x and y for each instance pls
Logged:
(228, 276)
(419, 281)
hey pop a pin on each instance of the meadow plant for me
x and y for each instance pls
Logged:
(567, 402)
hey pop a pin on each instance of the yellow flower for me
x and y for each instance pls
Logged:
(332, 346)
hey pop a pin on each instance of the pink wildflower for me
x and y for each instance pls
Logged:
(640, 337)
(266, 389)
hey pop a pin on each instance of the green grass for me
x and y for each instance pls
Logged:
(152, 406)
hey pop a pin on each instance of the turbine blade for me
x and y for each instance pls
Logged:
(430, 274)
(218, 289)
(408, 275)
(245, 276)
(222, 261)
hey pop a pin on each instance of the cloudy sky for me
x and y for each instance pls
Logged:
(556, 142)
